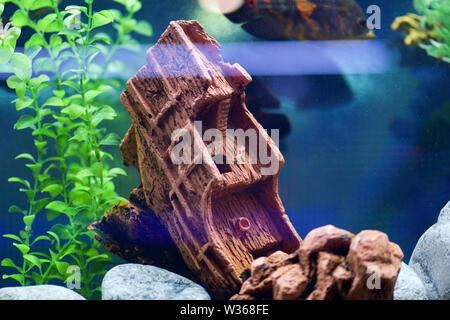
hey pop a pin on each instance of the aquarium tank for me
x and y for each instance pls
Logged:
(354, 95)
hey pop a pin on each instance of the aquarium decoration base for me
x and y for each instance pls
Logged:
(220, 223)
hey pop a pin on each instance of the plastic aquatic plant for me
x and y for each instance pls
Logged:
(430, 29)
(72, 180)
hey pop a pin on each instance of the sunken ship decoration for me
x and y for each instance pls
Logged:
(217, 217)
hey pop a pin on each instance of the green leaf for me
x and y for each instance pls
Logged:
(12, 236)
(60, 206)
(40, 238)
(131, 5)
(33, 260)
(81, 134)
(19, 19)
(21, 90)
(24, 122)
(116, 171)
(105, 113)
(16, 209)
(74, 111)
(70, 33)
(91, 95)
(44, 64)
(18, 277)
(35, 40)
(71, 249)
(135, 6)
(101, 37)
(25, 156)
(20, 180)
(144, 28)
(27, 4)
(55, 40)
(80, 197)
(13, 82)
(36, 82)
(40, 204)
(97, 169)
(90, 252)
(22, 103)
(128, 24)
(84, 173)
(22, 65)
(101, 18)
(111, 139)
(101, 257)
(45, 22)
(40, 145)
(58, 241)
(41, 4)
(70, 84)
(59, 93)
(75, 9)
(7, 262)
(83, 218)
(5, 54)
(122, 2)
(62, 231)
(53, 189)
(32, 52)
(61, 267)
(22, 247)
(54, 101)
(28, 220)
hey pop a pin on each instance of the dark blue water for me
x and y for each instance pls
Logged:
(368, 149)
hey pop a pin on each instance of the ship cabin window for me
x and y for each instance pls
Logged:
(224, 167)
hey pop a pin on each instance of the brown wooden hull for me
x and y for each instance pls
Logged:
(220, 217)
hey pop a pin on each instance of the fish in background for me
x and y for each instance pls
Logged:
(299, 19)
(39, 13)
(33, 14)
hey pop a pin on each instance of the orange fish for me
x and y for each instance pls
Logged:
(300, 19)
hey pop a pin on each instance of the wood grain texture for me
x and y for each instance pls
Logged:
(219, 216)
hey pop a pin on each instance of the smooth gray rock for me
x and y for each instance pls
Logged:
(409, 286)
(43, 292)
(444, 216)
(431, 258)
(143, 282)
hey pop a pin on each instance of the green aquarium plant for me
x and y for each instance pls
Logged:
(72, 180)
(429, 29)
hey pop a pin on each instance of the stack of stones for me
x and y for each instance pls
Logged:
(331, 263)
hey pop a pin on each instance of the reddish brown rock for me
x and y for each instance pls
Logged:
(218, 215)
(342, 278)
(289, 282)
(327, 238)
(375, 262)
(330, 264)
(326, 285)
(262, 270)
